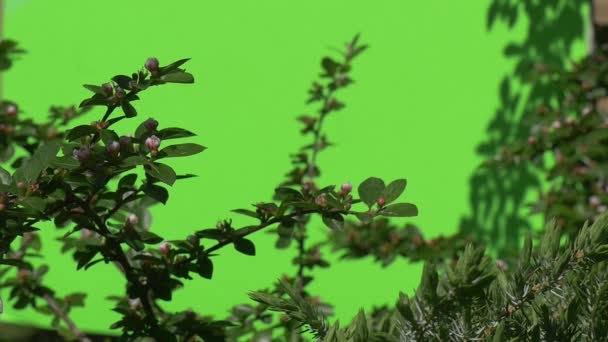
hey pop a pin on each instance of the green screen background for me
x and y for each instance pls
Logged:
(424, 95)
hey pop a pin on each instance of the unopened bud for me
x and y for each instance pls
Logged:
(557, 124)
(86, 233)
(164, 247)
(151, 124)
(113, 147)
(594, 201)
(21, 185)
(107, 89)
(570, 121)
(83, 154)
(125, 141)
(152, 143)
(132, 219)
(381, 201)
(11, 110)
(152, 64)
(346, 188)
(134, 303)
(194, 240)
(501, 265)
(531, 140)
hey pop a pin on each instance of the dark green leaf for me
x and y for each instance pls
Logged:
(399, 210)
(108, 135)
(65, 162)
(204, 267)
(173, 133)
(127, 181)
(180, 150)
(157, 192)
(173, 66)
(162, 172)
(149, 237)
(128, 109)
(245, 212)
(123, 81)
(333, 220)
(133, 161)
(245, 246)
(94, 88)
(394, 190)
(80, 131)
(370, 190)
(178, 77)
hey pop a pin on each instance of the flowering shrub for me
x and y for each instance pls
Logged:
(97, 184)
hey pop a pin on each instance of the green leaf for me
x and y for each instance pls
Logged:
(65, 162)
(128, 109)
(333, 220)
(370, 190)
(127, 181)
(173, 66)
(80, 131)
(34, 202)
(178, 77)
(149, 237)
(245, 212)
(394, 190)
(31, 168)
(133, 161)
(204, 267)
(180, 150)
(157, 192)
(123, 81)
(5, 177)
(162, 172)
(399, 210)
(174, 133)
(245, 246)
(94, 88)
(108, 135)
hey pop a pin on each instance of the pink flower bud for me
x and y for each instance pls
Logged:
(107, 89)
(531, 140)
(164, 247)
(151, 124)
(152, 64)
(152, 143)
(11, 110)
(380, 201)
(21, 185)
(132, 219)
(113, 147)
(346, 188)
(83, 154)
(570, 121)
(557, 124)
(594, 201)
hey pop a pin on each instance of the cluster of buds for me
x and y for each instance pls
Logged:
(119, 94)
(152, 143)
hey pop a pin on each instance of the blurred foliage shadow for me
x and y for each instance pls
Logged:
(498, 196)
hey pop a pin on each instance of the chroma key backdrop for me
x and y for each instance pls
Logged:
(437, 91)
